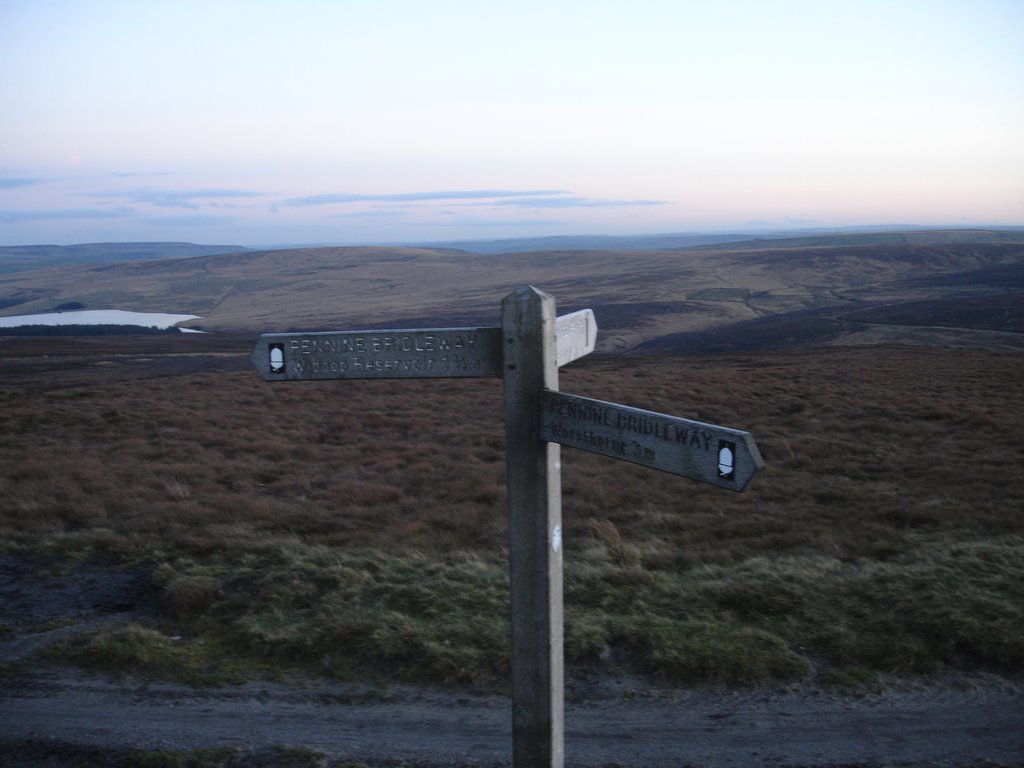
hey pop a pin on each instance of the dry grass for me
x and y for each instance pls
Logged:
(862, 447)
(344, 525)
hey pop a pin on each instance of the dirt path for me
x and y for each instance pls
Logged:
(975, 721)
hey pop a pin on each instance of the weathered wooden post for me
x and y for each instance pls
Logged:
(534, 531)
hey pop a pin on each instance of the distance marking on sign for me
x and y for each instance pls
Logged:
(727, 458)
(384, 354)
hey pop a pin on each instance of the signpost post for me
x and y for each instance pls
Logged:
(534, 488)
(526, 353)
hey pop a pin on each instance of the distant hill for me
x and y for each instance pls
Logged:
(18, 258)
(586, 242)
(924, 287)
(912, 237)
(756, 240)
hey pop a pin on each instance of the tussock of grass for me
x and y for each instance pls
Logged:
(149, 653)
(420, 617)
(943, 605)
(186, 596)
(347, 614)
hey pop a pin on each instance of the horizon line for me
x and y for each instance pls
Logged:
(780, 231)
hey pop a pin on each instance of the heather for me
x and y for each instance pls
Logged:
(356, 529)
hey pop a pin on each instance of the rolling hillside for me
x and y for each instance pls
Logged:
(19, 258)
(933, 288)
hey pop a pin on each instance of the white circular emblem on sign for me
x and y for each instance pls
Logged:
(725, 462)
(556, 538)
(276, 358)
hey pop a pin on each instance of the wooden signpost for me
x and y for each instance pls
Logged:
(720, 456)
(526, 353)
(400, 354)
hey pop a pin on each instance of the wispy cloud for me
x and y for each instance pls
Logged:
(501, 224)
(175, 198)
(15, 182)
(544, 198)
(418, 197)
(575, 202)
(190, 220)
(375, 213)
(60, 214)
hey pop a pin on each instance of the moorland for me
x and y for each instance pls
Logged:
(958, 287)
(19, 258)
(232, 529)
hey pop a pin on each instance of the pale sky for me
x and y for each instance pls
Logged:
(310, 121)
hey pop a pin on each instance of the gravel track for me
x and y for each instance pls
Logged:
(970, 722)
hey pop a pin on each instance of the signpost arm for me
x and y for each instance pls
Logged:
(535, 532)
